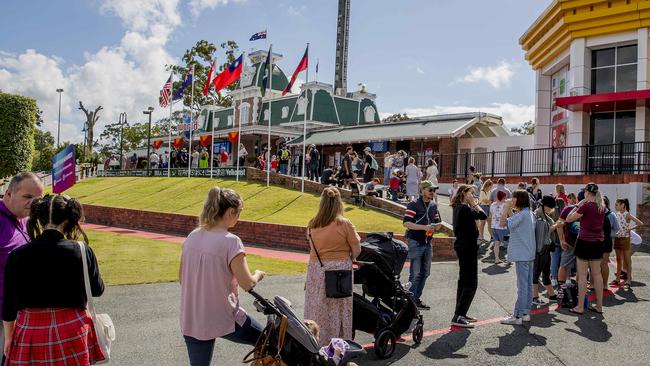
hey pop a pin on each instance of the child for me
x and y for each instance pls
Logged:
(622, 241)
(452, 191)
(335, 350)
(496, 211)
(274, 164)
(370, 187)
(394, 185)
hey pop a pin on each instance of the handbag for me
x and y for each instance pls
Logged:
(261, 353)
(338, 282)
(103, 325)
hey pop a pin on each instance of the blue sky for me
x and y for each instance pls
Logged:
(421, 57)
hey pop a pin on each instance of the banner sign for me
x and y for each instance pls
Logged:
(63, 170)
(219, 145)
(378, 146)
(203, 173)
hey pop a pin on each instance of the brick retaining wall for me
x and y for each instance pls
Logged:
(254, 233)
(567, 179)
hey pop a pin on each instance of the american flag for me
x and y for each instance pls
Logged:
(166, 92)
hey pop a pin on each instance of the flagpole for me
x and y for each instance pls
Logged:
(268, 140)
(171, 103)
(211, 155)
(317, 61)
(304, 128)
(241, 94)
(189, 161)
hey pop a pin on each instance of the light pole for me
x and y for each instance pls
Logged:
(122, 122)
(58, 130)
(148, 111)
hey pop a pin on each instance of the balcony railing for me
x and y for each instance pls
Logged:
(621, 158)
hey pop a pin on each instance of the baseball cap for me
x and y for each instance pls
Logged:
(428, 184)
(581, 195)
(367, 148)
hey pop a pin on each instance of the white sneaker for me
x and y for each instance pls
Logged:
(511, 320)
(525, 318)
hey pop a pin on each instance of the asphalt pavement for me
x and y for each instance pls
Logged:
(146, 320)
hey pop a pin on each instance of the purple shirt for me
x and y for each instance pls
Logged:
(591, 222)
(13, 233)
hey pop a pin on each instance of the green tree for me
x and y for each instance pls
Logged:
(528, 128)
(43, 150)
(397, 117)
(134, 135)
(17, 121)
(201, 56)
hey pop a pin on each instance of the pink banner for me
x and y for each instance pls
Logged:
(63, 170)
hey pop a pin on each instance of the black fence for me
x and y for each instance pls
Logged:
(621, 158)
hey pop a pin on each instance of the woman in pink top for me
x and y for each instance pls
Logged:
(338, 244)
(213, 265)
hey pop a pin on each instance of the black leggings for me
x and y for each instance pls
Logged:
(467, 281)
(542, 266)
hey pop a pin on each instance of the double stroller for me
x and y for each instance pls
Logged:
(286, 340)
(392, 310)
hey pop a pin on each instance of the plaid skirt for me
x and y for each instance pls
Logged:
(54, 337)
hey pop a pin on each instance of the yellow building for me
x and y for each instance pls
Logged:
(592, 79)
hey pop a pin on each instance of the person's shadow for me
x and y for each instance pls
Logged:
(513, 343)
(497, 269)
(447, 345)
(592, 327)
(545, 320)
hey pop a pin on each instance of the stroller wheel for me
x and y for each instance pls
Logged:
(418, 333)
(385, 344)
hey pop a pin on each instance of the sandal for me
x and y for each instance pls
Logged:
(615, 283)
(574, 311)
(593, 308)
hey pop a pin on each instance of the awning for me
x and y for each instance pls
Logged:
(605, 101)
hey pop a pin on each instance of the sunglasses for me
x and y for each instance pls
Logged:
(432, 189)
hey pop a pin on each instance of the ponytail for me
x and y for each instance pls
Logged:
(216, 204)
(55, 210)
(599, 201)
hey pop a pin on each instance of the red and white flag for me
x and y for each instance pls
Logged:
(208, 80)
(302, 65)
(166, 92)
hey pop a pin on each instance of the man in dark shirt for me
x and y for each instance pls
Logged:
(314, 160)
(369, 166)
(420, 218)
(327, 178)
(346, 167)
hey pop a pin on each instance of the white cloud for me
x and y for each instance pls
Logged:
(296, 11)
(125, 77)
(419, 70)
(295, 88)
(497, 76)
(513, 114)
(196, 6)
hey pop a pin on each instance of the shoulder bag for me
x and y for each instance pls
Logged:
(103, 325)
(338, 282)
(262, 354)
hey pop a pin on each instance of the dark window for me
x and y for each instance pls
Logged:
(625, 77)
(626, 55)
(603, 80)
(606, 57)
(624, 128)
(614, 69)
(611, 128)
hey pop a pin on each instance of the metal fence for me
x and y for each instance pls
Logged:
(621, 158)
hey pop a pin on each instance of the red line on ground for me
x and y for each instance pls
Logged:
(610, 291)
(262, 252)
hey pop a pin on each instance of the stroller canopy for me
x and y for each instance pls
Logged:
(387, 253)
(296, 327)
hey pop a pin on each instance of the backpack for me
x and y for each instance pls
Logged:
(373, 164)
(567, 295)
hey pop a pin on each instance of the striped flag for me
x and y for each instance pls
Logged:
(166, 92)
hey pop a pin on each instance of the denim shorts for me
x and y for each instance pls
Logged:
(486, 209)
(499, 234)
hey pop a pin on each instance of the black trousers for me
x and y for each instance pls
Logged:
(467, 280)
(542, 266)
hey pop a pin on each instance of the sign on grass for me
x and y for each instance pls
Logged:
(63, 170)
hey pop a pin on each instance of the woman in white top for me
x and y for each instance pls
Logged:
(622, 241)
(413, 176)
(432, 171)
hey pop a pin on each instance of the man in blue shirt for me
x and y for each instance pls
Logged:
(420, 218)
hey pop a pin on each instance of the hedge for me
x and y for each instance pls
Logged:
(17, 122)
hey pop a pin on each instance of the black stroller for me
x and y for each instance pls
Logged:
(286, 340)
(392, 311)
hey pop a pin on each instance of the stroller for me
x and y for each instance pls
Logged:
(286, 340)
(392, 311)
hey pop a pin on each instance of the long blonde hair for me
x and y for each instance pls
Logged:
(487, 185)
(330, 209)
(215, 206)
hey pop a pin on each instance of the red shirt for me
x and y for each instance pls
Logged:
(564, 198)
(274, 164)
(224, 156)
(394, 183)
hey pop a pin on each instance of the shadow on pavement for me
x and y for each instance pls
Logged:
(447, 345)
(545, 320)
(513, 343)
(497, 269)
(401, 350)
(592, 327)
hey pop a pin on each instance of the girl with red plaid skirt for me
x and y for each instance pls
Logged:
(44, 311)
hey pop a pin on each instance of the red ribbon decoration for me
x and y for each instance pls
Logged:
(232, 137)
(157, 144)
(178, 142)
(205, 140)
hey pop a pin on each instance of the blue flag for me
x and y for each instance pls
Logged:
(258, 35)
(187, 82)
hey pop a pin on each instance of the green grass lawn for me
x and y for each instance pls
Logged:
(128, 260)
(182, 195)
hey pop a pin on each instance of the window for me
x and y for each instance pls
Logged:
(243, 114)
(612, 128)
(613, 69)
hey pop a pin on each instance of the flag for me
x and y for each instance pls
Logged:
(165, 92)
(317, 62)
(266, 71)
(232, 137)
(302, 65)
(208, 80)
(229, 75)
(258, 35)
(205, 140)
(187, 82)
(157, 144)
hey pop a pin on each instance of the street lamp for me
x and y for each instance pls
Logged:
(148, 111)
(58, 130)
(122, 122)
